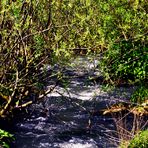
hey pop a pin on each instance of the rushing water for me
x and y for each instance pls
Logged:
(64, 119)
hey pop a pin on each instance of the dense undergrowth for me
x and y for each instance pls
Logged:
(140, 140)
(35, 33)
(5, 138)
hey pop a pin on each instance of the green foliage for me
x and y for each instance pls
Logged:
(5, 138)
(140, 95)
(126, 61)
(140, 140)
(37, 33)
(125, 34)
(23, 51)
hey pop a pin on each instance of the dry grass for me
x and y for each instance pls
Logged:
(127, 126)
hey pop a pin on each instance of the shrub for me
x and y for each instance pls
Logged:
(23, 52)
(5, 138)
(125, 62)
(126, 57)
(34, 34)
(140, 140)
(140, 95)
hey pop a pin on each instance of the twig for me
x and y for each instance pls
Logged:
(10, 97)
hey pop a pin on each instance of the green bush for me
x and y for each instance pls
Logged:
(5, 138)
(37, 33)
(126, 62)
(140, 140)
(140, 95)
(126, 57)
(23, 52)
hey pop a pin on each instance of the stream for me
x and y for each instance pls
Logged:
(64, 119)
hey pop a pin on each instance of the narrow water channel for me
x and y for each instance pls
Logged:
(64, 119)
